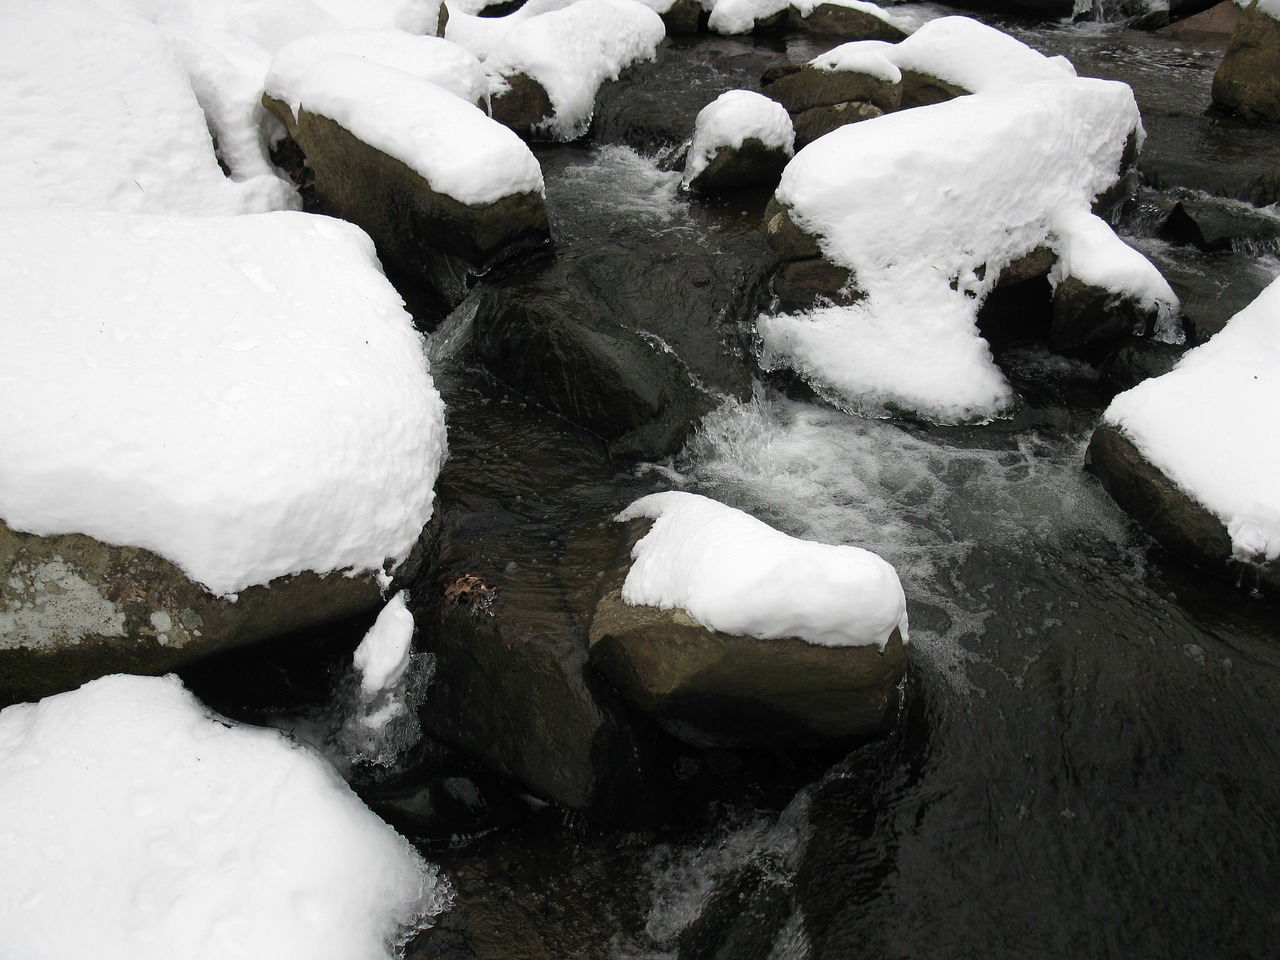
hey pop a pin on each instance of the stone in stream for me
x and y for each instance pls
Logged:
(1248, 80)
(73, 608)
(740, 139)
(1216, 226)
(845, 21)
(805, 86)
(711, 688)
(1089, 320)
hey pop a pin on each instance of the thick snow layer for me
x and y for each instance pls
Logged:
(427, 58)
(1209, 425)
(135, 824)
(99, 113)
(459, 150)
(955, 49)
(481, 34)
(245, 396)
(927, 206)
(741, 16)
(735, 574)
(730, 120)
(383, 654)
(570, 52)
(411, 16)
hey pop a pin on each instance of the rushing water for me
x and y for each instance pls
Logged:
(1086, 764)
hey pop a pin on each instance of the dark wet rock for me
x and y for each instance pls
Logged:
(804, 284)
(712, 689)
(818, 122)
(1215, 226)
(1025, 9)
(1136, 361)
(524, 106)
(511, 687)
(683, 17)
(735, 168)
(555, 344)
(847, 23)
(1112, 202)
(1179, 523)
(1037, 263)
(785, 236)
(422, 235)
(922, 90)
(73, 608)
(808, 87)
(448, 808)
(1218, 21)
(1248, 81)
(653, 105)
(1088, 320)
(1212, 289)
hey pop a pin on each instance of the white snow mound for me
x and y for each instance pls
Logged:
(245, 396)
(1208, 425)
(927, 206)
(139, 825)
(454, 146)
(427, 58)
(730, 120)
(383, 655)
(736, 574)
(99, 113)
(572, 51)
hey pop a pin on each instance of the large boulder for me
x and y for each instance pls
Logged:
(1192, 454)
(444, 191)
(715, 687)
(208, 473)
(849, 21)
(1248, 80)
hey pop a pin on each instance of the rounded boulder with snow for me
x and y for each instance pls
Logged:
(218, 430)
(730, 632)
(740, 139)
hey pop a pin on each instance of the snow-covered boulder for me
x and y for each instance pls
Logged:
(1194, 455)
(100, 112)
(139, 825)
(849, 19)
(928, 206)
(728, 631)
(545, 70)
(740, 139)
(1248, 80)
(445, 191)
(243, 435)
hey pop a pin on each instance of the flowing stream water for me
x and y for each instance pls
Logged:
(1086, 764)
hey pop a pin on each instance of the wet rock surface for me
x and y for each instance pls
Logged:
(1248, 81)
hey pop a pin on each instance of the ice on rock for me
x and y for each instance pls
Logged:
(139, 825)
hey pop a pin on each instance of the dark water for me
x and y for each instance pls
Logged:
(1087, 762)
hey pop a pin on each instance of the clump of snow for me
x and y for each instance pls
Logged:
(245, 396)
(572, 51)
(383, 654)
(735, 574)
(411, 16)
(455, 147)
(926, 206)
(1208, 425)
(730, 120)
(139, 825)
(427, 58)
(99, 113)
(958, 50)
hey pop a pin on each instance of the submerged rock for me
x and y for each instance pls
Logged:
(1248, 81)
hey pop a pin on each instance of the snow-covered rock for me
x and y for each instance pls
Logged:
(729, 631)
(927, 206)
(739, 139)
(1248, 80)
(850, 19)
(443, 63)
(566, 54)
(445, 191)
(243, 397)
(1193, 454)
(139, 825)
(101, 113)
